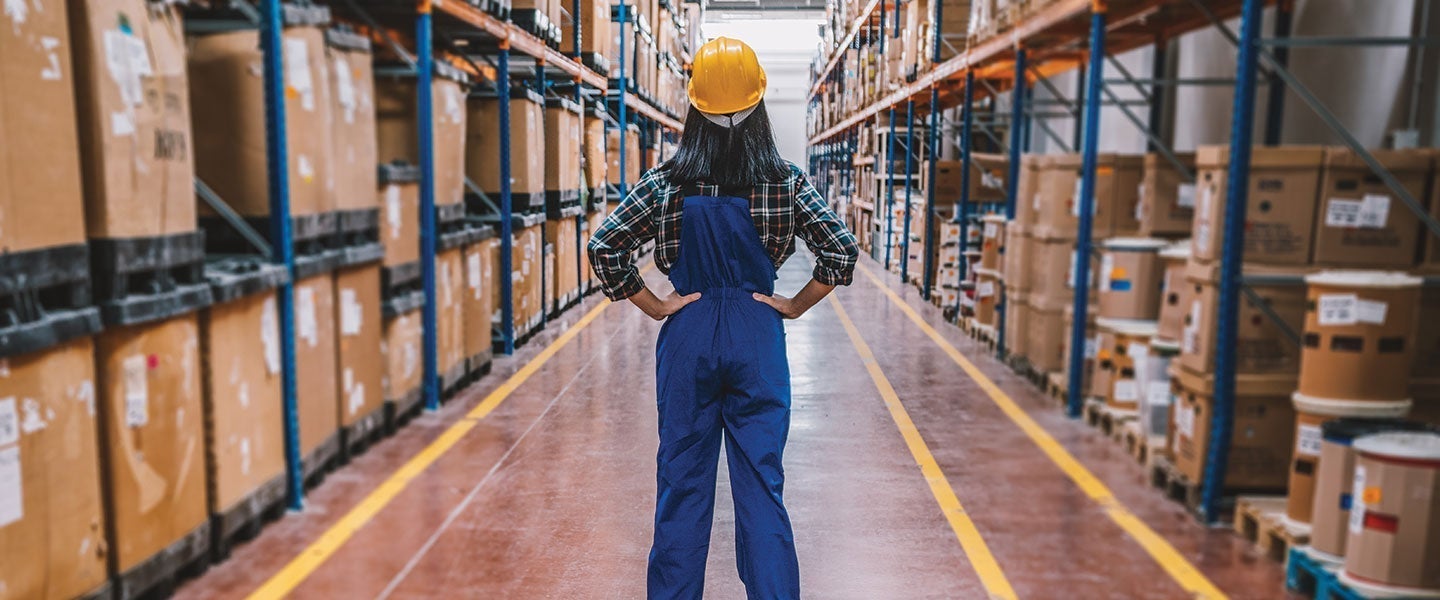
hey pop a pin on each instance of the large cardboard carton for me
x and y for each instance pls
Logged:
(563, 236)
(1167, 203)
(317, 394)
(527, 145)
(1175, 292)
(632, 156)
(594, 28)
(1311, 414)
(1045, 343)
(1427, 336)
(450, 313)
(353, 145)
(1280, 211)
(481, 298)
(1027, 202)
(240, 350)
(134, 114)
(1089, 354)
(562, 149)
(359, 360)
(1359, 335)
(1260, 346)
(594, 152)
(41, 203)
(51, 515)
(1260, 441)
(397, 127)
(153, 440)
(1017, 315)
(1117, 180)
(399, 196)
(403, 338)
(1361, 222)
(227, 94)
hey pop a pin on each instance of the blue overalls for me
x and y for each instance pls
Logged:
(721, 368)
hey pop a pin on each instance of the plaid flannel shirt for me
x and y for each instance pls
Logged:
(781, 212)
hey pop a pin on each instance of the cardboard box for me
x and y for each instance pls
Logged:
(54, 546)
(41, 202)
(450, 311)
(1117, 180)
(227, 95)
(987, 295)
(1261, 346)
(240, 347)
(481, 298)
(527, 143)
(594, 29)
(403, 339)
(527, 247)
(1092, 344)
(316, 365)
(1166, 207)
(135, 140)
(153, 448)
(596, 166)
(1260, 442)
(399, 196)
(353, 145)
(398, 134)
(1045, 343)
(1176, 292)
(1017, 315)
(563, 236)
(1280, 210)
(1052, 278)
(632, 156)
(359, 360)
(1027, 200)
(1427, 336)
(1361, 223)
(992, 242)
(562, 146)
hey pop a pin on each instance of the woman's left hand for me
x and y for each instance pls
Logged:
(787, 307)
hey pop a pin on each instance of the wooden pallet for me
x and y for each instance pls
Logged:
(1261, 519)
(321, 461)
(1056, 387)
(1141, 446)
(359, 436)
(1113, 420)
(157, 576)
(243, 521)
(1174, 484)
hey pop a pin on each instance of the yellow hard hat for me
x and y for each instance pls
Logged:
(725, 77)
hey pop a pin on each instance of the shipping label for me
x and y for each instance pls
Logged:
(1374, 211)
(12, 497)
(1357, 509)
(1340, 212)
(305, 319)
(297, 72)
(992, 231)
(985, 289)
(1370, 311)
(1185, 421)
(1307, 441)
(351, 313)
(1107, 267)
(1126, 390)
(270, 335)
(1337, 309)
(345, 89)
(135, 374)
(472, 267)
(392, 210)
(1157, 393)
(1185, 195)
(9, 422)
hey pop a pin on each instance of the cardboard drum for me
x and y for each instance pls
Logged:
(1359, 340)
(1394, 540)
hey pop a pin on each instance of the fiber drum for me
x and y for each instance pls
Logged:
(1330, 512)
(1394, 541)
(1130, 278)
(1359, 340)
(1310, 416)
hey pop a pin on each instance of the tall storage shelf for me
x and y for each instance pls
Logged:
(1223, 342)
(258, 250)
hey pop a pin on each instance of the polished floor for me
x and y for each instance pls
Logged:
(918, 467)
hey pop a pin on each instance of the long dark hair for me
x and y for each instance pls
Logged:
(733, 158)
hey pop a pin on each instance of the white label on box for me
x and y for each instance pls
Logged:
(345, 89)
(1370, 311)
(1307, 442)
(1336, 309)
(447, 290)
(1107, 265)
(139, 56)
(1185, 195)
(1138, 352)
(1207, 196)
(1340, 212)
(122, 67)
(991, 231)
(357, 398)
(1140, 202)
(1070, 272)
(270, 335)
(1157, 393)
(297, 71)
(52, 70)
(1035, 201)
(121, 124)
(305, 318)
(1092, 347)
(135, 373)
(9, 422)
(1357, 505)
(1126, 390)
(472, 266)
(392, 209)
(985, 289)
(12, 497)
(1201, 243)
(305, 168)
(1185, 422)
(453, 111)
(351, 313)
(1374, 211)
(348, 379)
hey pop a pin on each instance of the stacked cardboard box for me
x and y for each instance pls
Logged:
(632, 156)
(359, 359)
(596, 165)
(481, 297)
(562, 154)
(527, 147)
(595, 38)
(397, 126)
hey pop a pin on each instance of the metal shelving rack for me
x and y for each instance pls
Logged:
(1083, 34)
(509, 50)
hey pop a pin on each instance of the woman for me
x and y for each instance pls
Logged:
(724, 212)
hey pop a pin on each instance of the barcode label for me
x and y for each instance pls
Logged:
(1307, 442)
(1336, 309)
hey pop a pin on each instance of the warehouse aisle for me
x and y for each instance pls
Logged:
(547, 492)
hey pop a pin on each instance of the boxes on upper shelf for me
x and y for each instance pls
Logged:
(1056, 202)
(1280, 212)
(527, 147)
(1360, 221)
(1263, 430)
(1261, 347)
(1166, 206)
(398, 129)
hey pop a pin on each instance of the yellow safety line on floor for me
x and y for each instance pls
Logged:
(970, 540)
(1184, 573)
(322, 549)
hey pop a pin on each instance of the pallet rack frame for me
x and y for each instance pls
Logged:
(1035, 38)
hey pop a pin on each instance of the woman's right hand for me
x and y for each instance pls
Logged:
(661, 308)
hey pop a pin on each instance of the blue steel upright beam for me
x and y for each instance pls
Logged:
(1012, 180)
(909, 165)
(1232, 248)
(962, 211)
(425, 105)
(507, 233)
(890, 186)
(928, 277)
(1090, 144)
(283, 252)
(624, 124)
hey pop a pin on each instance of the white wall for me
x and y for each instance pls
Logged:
(784, 44)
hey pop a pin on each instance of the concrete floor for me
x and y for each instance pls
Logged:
(550, 494)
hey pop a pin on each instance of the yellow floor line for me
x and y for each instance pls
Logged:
(1184, 573)
(322, 549)
(970, 541)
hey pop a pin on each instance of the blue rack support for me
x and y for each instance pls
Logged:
(962, 210)
(1012, 182)
(909, 166)
(623, 18)
(276, 154)
(1090, 144)
(928, 277)
(430, 373)
(507, 234)
(889, 185)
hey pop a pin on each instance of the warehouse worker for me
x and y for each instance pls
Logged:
(724, 212)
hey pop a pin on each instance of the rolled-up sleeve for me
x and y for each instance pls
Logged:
(612, 246)
(825, 234)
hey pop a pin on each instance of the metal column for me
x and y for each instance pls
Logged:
(1090, 144)
(928, 277)
(1012, 181)
(890, 185)
(962, 211)
(909, 165)
(277, 165)
(624, 114)
(507, 233)
(425, 108)
(1222, 415)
